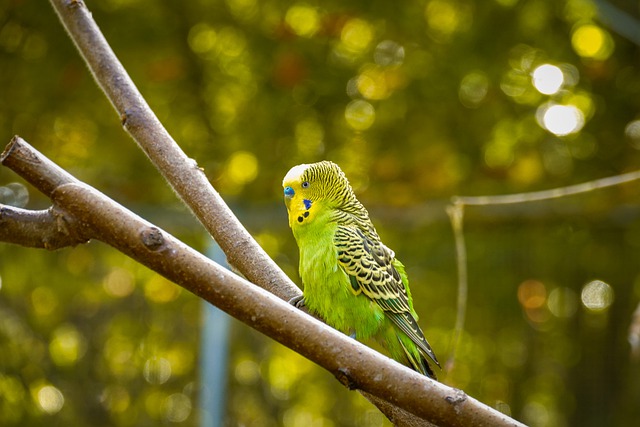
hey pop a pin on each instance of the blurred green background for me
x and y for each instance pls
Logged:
(417, 101)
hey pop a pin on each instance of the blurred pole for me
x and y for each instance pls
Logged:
(619, 21)
(214, 350)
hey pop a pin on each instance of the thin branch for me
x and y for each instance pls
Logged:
(456, 215)
(554, 193)
(46, 229)
(180, 171)
(99, 217)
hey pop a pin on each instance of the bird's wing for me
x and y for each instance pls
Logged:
(369, 265)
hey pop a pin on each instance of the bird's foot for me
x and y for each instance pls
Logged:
(297, 301)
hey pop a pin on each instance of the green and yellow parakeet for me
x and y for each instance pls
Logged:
(350, 278)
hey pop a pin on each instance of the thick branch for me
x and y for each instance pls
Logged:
(182, 173)
(99, 217)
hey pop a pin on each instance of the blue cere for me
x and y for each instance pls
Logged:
(307, 203)
(288, 191)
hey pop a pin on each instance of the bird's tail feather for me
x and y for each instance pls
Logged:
(417, 361)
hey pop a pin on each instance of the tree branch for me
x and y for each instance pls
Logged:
(48, 229)
(180, 171)
(456, 216)
(96, 216)
(553, 193)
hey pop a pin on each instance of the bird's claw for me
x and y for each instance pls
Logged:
(297, 301)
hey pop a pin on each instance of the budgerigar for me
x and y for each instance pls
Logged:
(350, 278)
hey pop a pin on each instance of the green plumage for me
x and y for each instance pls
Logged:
(351, 279)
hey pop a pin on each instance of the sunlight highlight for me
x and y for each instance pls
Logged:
(561, 120)
(547, 79)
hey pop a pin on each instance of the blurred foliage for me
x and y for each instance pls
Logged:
(417, 101)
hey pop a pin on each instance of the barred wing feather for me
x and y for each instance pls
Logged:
(369, 265)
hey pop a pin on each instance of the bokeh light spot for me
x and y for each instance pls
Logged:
(67, 345)
(115, 398)
(48, 398)
(118, 283)
(243, 9)
(14, 194)
(372, 83)
(231, 42)
(304, 20)
(157, 370)
(242, 167)
(632, 131)
(177, 407)
(356, 35)
(562, 302)
(473, 89)
(44, 301)
(360, 115)
(309, 137)
(547, 79)
(443, 17)
(247, 372)
(160, 290)
(535, 414)
(202, 38)
(597, 295)
(388, 53)
(532, 294)
(591, 41)
(560, 120)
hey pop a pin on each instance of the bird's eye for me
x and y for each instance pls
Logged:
(305, 184)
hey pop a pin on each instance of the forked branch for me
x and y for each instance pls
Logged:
(96, 216)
